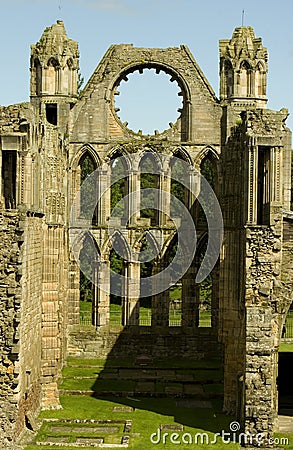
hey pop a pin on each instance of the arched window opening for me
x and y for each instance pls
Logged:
(244, 79)
(88, 192)
(117, 265)
(149, 179)
(174, 293)
(204, 291)
(229, 78)
(119, 188)
(67, 82)
(86, 263)
(52, 113)
(9, 164)
(264, 185)
(208, 170)
(260, 88)
(38, 76)
(178, 189)
(52, 77)
(146, 258)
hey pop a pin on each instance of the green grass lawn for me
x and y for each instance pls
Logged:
(286, 347)
(148, 416)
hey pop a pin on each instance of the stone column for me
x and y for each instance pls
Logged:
(51, 296)
(73, 294)
(259, 413)
(193, 192)
(160, 303)
(130, 304)
(164, 197)
(190, 299)
(253, 185)
(101, 295)
(134, 198)
(215, 297)
(104, 203)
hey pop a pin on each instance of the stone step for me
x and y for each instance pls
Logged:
(147, 391)
(156, 380)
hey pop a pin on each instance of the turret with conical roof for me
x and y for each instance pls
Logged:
(243, 68)
(54, 63)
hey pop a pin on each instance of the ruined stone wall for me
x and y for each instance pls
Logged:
(10, 316)
(233, 201)
(88, 342)
(287, 250)
(53, 313)
(263, 272)
(30, 352)
(21, 322)
(9, 117)
(94, 118)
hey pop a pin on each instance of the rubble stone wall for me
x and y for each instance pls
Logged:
(10, 300)
(88, 342)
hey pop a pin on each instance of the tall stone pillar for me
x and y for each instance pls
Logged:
(134, 197)
(160, 303)
(164, 197)
(130, 308)
(101, 296)
(104, 196)
(215, 297)
(190, 299)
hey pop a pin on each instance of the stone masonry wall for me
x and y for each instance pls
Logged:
(262, 328)
(10, 300)
(88, 342)
(29, 366)
(20, 297)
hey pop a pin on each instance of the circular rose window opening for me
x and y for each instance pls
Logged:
(148, 101)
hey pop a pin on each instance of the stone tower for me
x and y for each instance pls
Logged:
(243, 68)
(54, 74)
(43, 145)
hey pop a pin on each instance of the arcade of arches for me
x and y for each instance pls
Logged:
(48, 149)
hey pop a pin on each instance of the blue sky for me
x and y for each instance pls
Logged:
(96, 24)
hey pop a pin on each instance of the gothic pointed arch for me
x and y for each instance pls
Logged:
(85, 150)
(149, 152)
(260, 79)
(52, 78)
(89, 257)
(183, 154)
(120, 244)
(228, 87)
(149, 237)
(244, 79)
(207, 151)
(119, 152)
(180, 173)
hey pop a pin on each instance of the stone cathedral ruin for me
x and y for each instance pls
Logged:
(44, 145)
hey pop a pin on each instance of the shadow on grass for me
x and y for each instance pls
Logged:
(171, 372)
